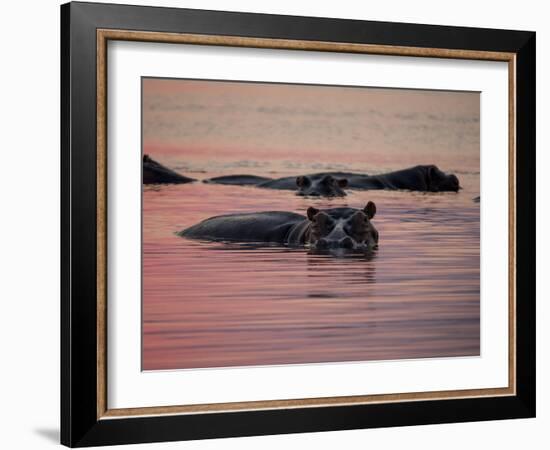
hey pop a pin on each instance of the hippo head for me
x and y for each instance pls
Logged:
(439, 181)
(326, 186)
(348, 228)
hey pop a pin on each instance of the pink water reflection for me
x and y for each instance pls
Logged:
(217, 305)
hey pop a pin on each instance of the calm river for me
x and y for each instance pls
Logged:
(219, 305)
(212, 304)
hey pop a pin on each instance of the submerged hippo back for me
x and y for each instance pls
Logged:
(238, 180)
(156, 173)
(269, 226)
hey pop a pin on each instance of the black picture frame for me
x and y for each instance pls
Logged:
(80, 425)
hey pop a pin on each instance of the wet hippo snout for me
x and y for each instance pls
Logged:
(345, 242)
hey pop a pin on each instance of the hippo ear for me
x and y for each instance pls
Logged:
(370, 210)
(311, 212)
(303, 181)
(145, 158)
(343, 182)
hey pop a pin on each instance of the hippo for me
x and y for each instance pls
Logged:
(347, 228)
(426, 178)
(238, 180)
(319, 184)
(156, 173)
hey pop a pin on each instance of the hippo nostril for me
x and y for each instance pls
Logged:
(347, 242)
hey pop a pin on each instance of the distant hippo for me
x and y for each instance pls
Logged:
(155, 173)
(418, 178)
(319, 184)
(347, 228)
(331, 184)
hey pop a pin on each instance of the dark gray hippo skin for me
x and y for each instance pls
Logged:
(319, 184)
(156, 173)
(347, 228)
(238, 180)
(418, 178)
(426, 178)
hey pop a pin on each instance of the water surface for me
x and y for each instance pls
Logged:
(214, 304)
(217, 305)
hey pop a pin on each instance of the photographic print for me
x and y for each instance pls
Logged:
(301, 224)
(291, 206)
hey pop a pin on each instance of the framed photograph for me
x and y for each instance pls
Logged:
(277, 224)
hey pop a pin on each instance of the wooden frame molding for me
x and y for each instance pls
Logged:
(103, 36)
